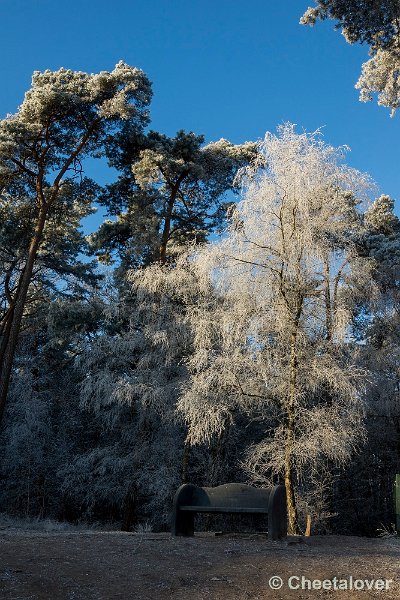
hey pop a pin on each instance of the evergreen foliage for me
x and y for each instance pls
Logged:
(375, 22)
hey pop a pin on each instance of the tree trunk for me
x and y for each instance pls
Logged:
(168, 216)
(164, 240)
(185, 462)
(293, 528)
(5, 332)
(166, 229)
(20, 300)
(328, 300)
(289, 471)
(217, 455)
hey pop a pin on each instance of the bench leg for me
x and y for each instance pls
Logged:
(277, 513)
(183, 523)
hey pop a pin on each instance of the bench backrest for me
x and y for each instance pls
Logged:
(229, 495)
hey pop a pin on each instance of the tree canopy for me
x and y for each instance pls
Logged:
(170, 191)
(375, 22)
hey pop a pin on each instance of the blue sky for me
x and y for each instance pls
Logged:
(224, 68)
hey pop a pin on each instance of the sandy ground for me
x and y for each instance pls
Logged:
(113, 565)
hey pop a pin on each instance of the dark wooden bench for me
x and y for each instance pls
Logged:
(230, 498)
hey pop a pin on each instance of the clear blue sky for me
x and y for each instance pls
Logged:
(225, 68)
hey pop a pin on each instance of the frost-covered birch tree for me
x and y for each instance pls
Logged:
(277, 344)
(65, 117)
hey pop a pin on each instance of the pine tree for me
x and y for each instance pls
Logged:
(170, 191)
(65, 117)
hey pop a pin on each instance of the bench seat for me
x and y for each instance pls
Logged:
(225, 509)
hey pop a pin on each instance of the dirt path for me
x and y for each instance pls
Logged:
(123, 566)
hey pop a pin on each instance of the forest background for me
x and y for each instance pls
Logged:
(91, 428)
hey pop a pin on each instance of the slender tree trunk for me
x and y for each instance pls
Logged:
(328, 300)
(185, 462)
(293, 528)
(168, 216)
(218, 455)
(166, 231)
(5, 332)
(6, 318)
(20, 300)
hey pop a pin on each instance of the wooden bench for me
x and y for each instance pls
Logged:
(230, 498)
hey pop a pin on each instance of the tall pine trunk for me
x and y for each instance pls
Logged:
(166, 232)
(13, 327)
